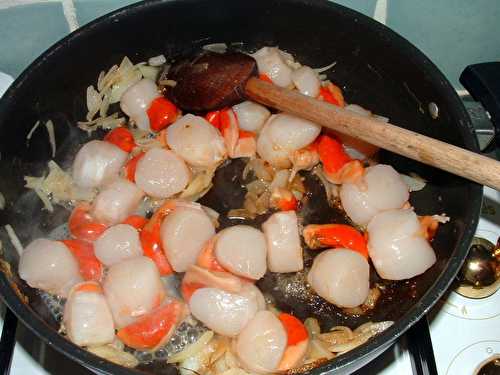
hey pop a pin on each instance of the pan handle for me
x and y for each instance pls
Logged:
(420, 348)
(483, 83)
(8, 341)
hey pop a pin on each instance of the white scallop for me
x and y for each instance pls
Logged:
(250, 291)
(136, 100)
(271, 63)
(50, 266)
(284, 134)
(383, 189)
(161, 173)
(284, 252)
(132, 288)
(87, 318)
(117, 243)
(270, 152)
(196, 141)
(251, 116)
(223, 312)
(306, 81)
(261, 344)
(116, 201)
(241, 249)
(341, 276)
(293, 133)
(97, 163)
(183, 234)
(396, 247)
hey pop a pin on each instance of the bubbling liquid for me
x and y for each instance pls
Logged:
(187, 333)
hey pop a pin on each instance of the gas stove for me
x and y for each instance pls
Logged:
(459, 336)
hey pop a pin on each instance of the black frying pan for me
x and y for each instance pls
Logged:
(376, 68)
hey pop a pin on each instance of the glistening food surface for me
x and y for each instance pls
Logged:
(192, 234)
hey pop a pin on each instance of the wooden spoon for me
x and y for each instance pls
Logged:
(212, 81)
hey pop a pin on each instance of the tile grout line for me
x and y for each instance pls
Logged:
(69, 11)
(380, 11)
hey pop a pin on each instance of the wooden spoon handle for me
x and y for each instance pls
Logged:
(456, 160)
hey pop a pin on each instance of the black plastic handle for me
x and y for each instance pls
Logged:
(483, 83)
(420, 348)
(8, 341)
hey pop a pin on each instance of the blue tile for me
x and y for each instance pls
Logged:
(28, 30)
(366, 7)
(453, 34)
(89, 10)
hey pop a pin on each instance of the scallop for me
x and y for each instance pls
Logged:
(396, 246)
(97, 163)
(251, 116)
(223, 312)
(282, 135)
(341, 276)
(132, 288)
(284, 252)
(196, 141)
(161, 173)
(136, 100)
(270, 62)
(251, 291)
(306, 81)
(261, 344)
(241, 249)
(87, 317)
(382, 189)
(117, 243)
(116, 201)
(183, 234)
(50, 266)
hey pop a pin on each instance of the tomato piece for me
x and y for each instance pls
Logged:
(332, 154)
(162, 112)
(90, 267)
(335, 235)
(90, 287)
(151, 246)
(187, 290)
(246, 134)
(206, 259)
(288, 204)
(332, 94)
(122, 138)
(150, 330)
(131, 166)
(295, 329)
(83, 226)
(264, 77)
(213, 117)
(137, 221)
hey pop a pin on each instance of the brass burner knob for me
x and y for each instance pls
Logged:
(480, 274)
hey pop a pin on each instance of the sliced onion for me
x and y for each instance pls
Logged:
(115, 355)
(414, 182)
(14, 239)
(325, 68)
(157, 60)
(193, 349)
(49, 125)
(215, 47)
(312, 326)
(318, 349)
(150, 72)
